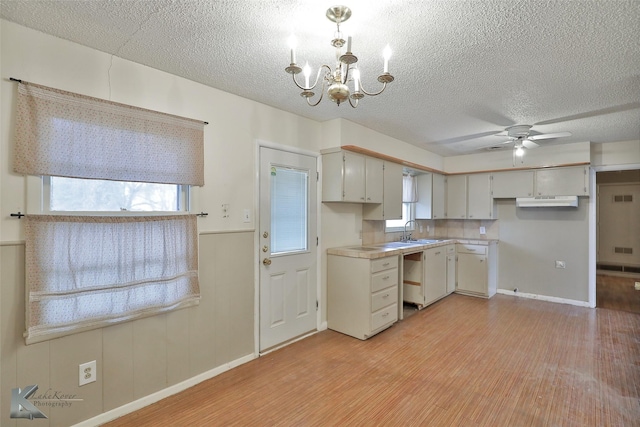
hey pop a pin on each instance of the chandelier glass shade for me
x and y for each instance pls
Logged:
(337, 81)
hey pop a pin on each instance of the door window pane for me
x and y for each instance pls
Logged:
(289, 210)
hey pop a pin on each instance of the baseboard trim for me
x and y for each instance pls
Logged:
(159, 395)
(544, 298)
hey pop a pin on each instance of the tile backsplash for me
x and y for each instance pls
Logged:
(373, 231)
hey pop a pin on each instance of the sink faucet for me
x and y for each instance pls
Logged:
(404, 233)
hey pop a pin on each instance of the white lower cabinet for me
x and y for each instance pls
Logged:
(362, 294)
(476, 269)
(451, 268)
(435, 274)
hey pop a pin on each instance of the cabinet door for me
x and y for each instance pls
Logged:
(570, 181)
(457, 197)
(374, 170)
(479, 201)
(425, 193)
(391, 206)
(392, 194)
(472, 273)
(435, 274)
(353, 177)
(512, 184)
(451, 272)
(439, 197)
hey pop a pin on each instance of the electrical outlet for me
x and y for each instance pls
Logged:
(87, 373)
(637, 286)
(561, 264)
(225, 210)
(246, 216)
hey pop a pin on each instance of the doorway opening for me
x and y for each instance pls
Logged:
(618, 240)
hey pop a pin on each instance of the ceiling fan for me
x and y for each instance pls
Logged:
(523, 138)
(521, 135)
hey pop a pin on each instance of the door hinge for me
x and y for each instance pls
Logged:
(316, 305)
(317, 176)
(317, 240)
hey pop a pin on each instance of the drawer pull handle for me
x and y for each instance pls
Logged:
(385, 264)
(385, 314)
(385, 278)
(438, 253)
(386, 296)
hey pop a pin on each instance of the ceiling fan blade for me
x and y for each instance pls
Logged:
(464, 138)
(527, 143)
(601, 112)
(549, 136)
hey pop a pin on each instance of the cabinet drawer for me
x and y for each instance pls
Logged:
(384, 279)
(471, 249)
(384, 264)
(384, 298)
(384, 317)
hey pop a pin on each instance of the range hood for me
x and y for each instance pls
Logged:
(547, 201)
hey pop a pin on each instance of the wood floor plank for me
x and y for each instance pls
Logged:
(463, 361)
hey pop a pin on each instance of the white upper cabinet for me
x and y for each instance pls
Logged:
(374, 181)
(479, 201)
(513, 184)
(351, 177)
(469, 197)
(439, 197)
(563, 181)
(424, 205)
(391, 206)
(569, 181)
(457, 197)
(431, 196)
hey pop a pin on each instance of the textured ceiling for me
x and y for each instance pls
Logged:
(464, 70)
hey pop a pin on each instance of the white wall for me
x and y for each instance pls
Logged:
(172, 347)
(532, 239)
(623, 154)
(503, 159)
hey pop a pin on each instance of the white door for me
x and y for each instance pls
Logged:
(288, 245)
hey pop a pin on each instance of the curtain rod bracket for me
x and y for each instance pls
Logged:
(15, 80)
(202, 214)
(18, 215)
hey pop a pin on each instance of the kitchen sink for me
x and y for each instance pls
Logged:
(400, 244)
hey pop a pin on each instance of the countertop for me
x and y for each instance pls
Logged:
(381, 250)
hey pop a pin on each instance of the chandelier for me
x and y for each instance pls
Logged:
(346, 70)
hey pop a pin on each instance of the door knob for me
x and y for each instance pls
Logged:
(265, 234)
(266, 261)
(265, 248)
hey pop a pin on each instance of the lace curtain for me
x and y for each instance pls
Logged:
(409, 189)
(86, 272)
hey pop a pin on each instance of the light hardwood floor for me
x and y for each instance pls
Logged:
(463, 361)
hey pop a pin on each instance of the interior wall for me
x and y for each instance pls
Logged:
(543, 156)
(145, 356)
(533, 239)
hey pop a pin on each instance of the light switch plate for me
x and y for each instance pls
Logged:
(483, 230)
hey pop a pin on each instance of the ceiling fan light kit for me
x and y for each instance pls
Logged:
(346, 71)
